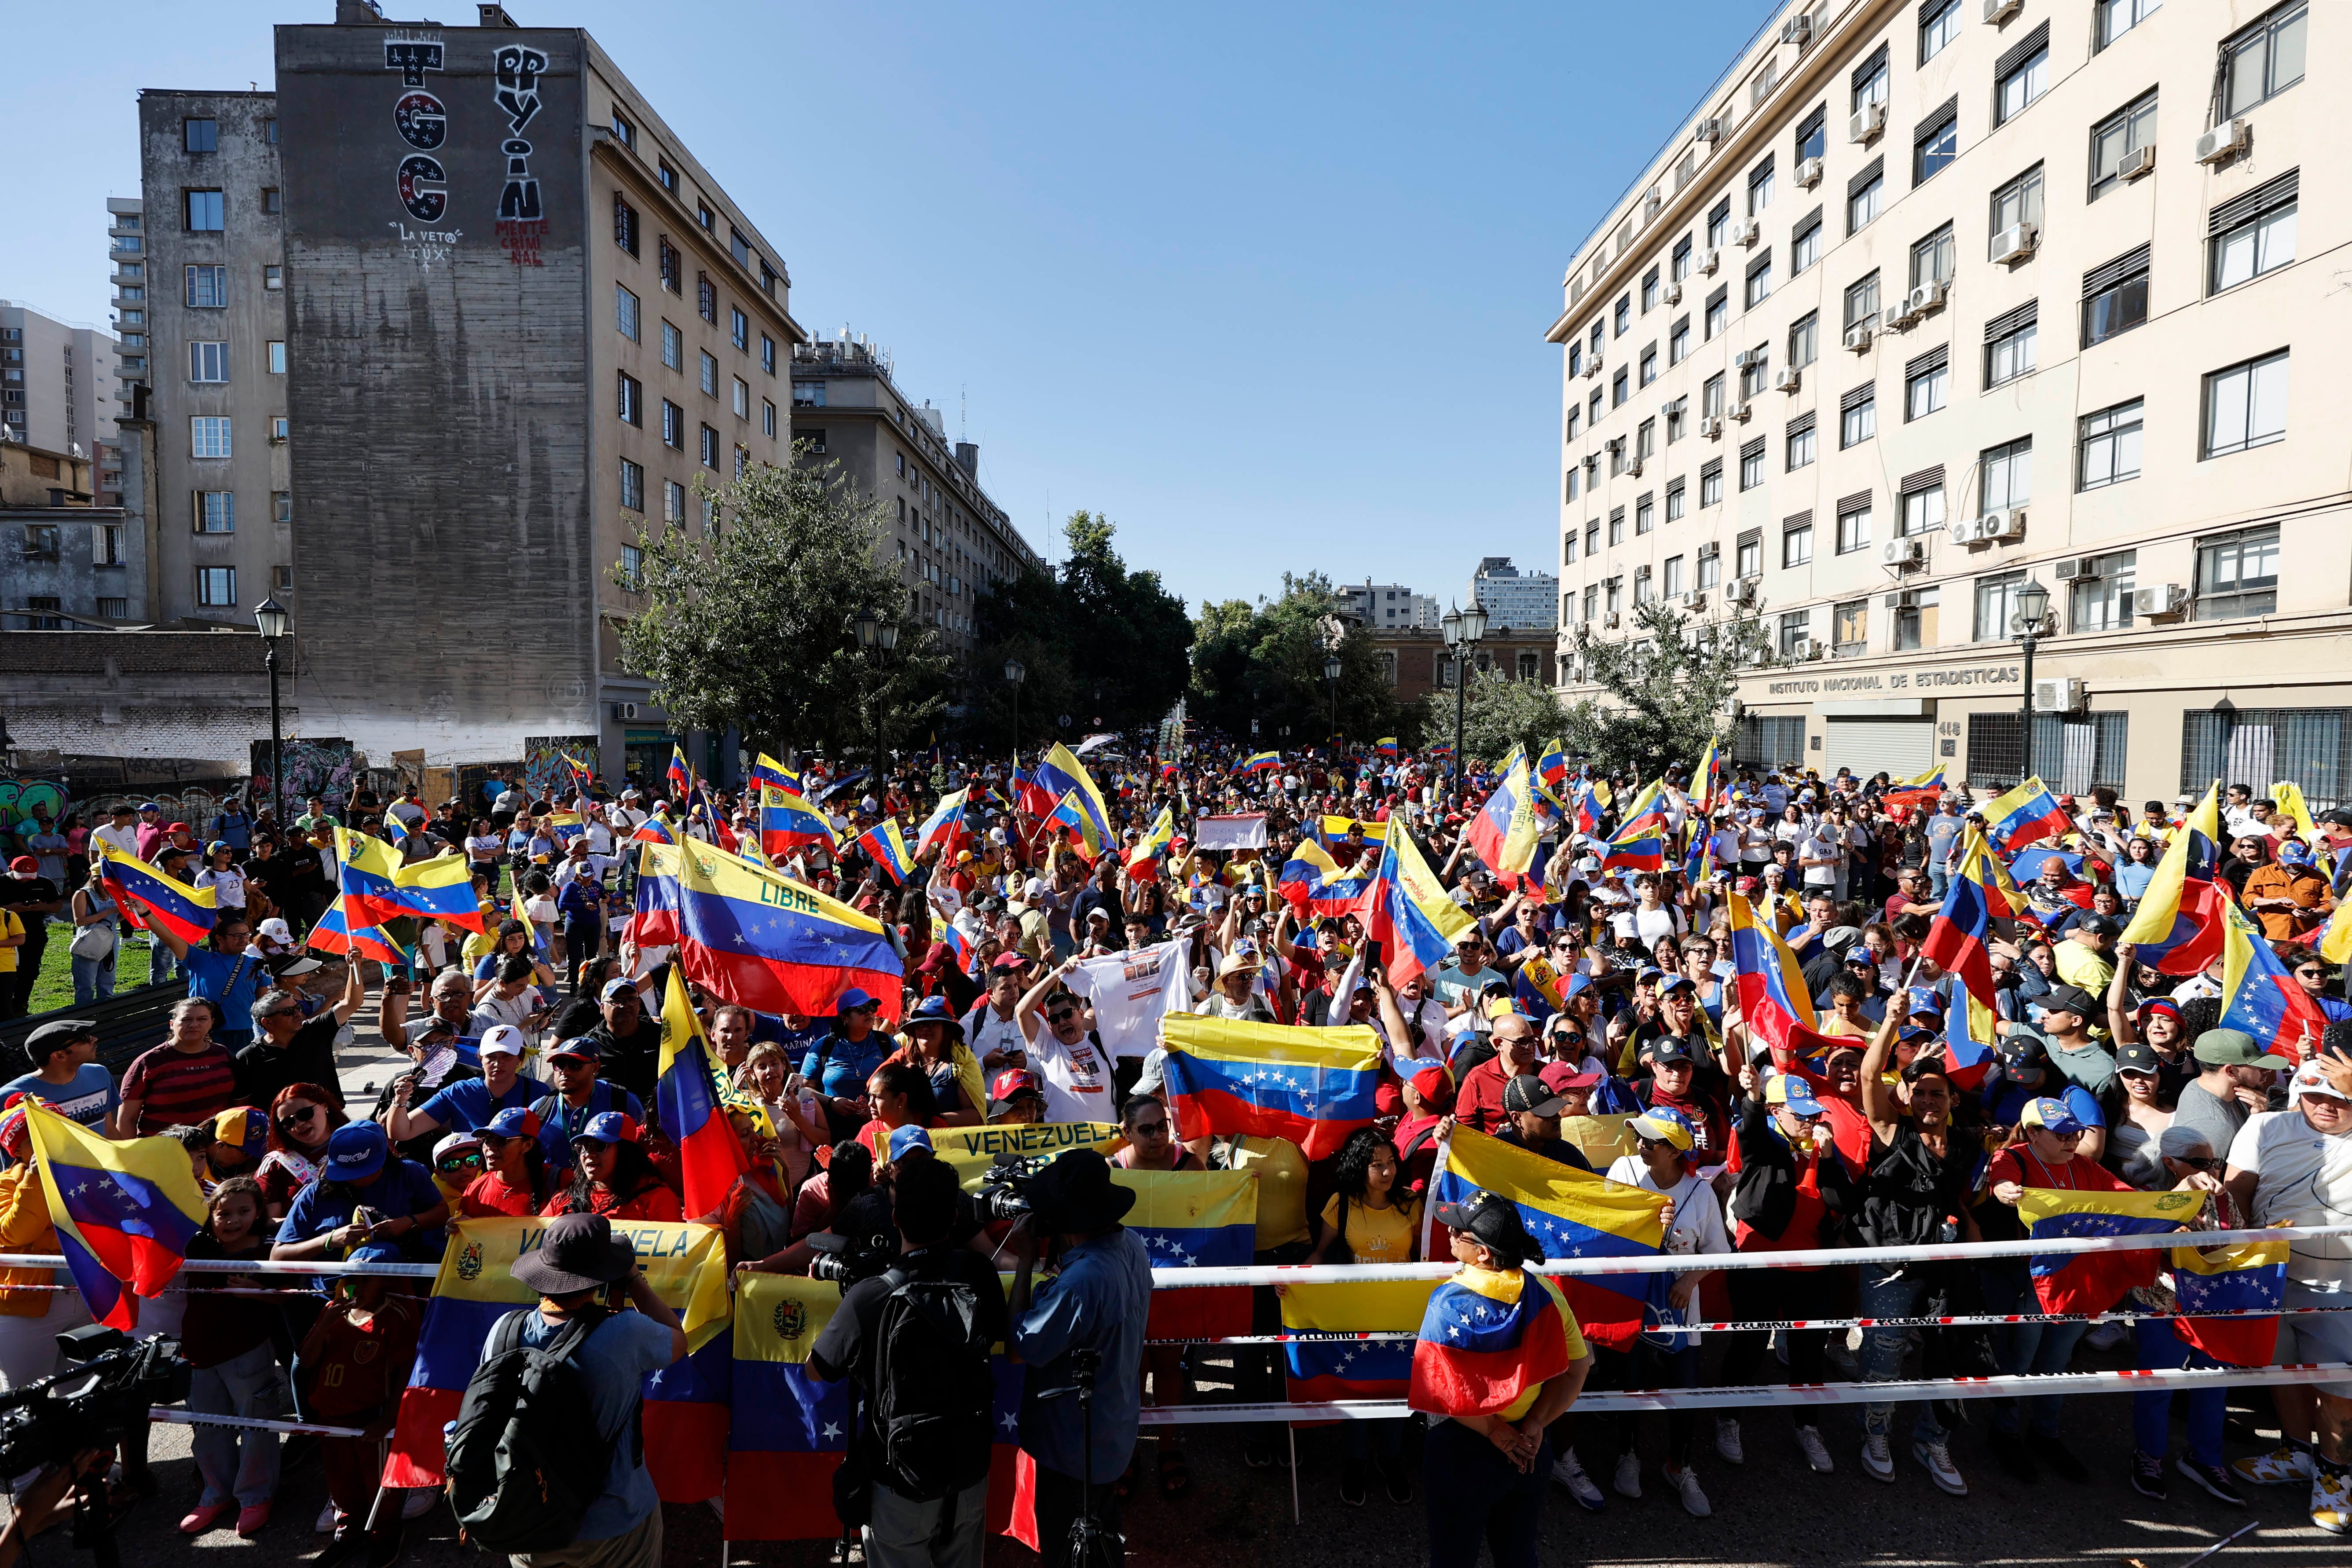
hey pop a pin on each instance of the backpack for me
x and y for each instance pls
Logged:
(932, 1394)
(525, 1458)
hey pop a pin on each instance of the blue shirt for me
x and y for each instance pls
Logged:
(468, 1106)
(2132, 878)
(210, 975)
(401, 1187)
(849, 1065)
(1943, 831)
(562, 1123)
(1098, 1301)
(618, 1354)
(235, 829)
(88, 1099)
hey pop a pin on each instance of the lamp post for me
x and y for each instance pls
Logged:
(2033, 604)
(1464, 629)
(1015, 670)
(275, 624)
(1331, 674)
(878, 637)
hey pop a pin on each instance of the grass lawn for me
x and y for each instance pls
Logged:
(53, 989)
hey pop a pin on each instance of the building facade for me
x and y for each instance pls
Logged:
(949, 538)
(1521, 600)
(71, 558)
(1387, 604)
(1930, 301)
(55, 382)
(1417, 662)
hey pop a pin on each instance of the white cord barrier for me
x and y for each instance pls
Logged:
(241, 1266)
(1893, 1392)
(179, 1417)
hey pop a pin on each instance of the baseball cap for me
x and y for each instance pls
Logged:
(2309, 1079)
(904, 1140)
(1529, 1093)
(355, 1151)
(2236, 1048)
(1667, 1051)
(514, 1121)
(2050, 1115)
(500, 1040)
(1674, 983)
(457, 1142)
(1010, 1085)
(2070, 999)
(26, 865)
(2158, 1004)
(1494, 1223)
(1664, 1124)
(616, 986)
(1430, 1079)
(2136, 1055)
(584, 1046)
(851, 1000)
(2097, 925)
(609, 1127)
(1787, 1090)
(244, 1127)
(2022, 1047)
(1561, 1077)
(1922, 1000)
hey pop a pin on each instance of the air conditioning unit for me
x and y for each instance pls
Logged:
(1674, 294)
(2226, 140)
(1593, 369)
(1740, 411)
(1927, 297)
(1746, 357)
(1996, 12)
(1633, 469)
(1901, 552)
(1809, 173)
(1805, 648)
(1742, 590)
(1788, 380)
(1616, 444)
(2006, 526)
(1909, 599)
(1964, 530)
(2137, 161)
(1692, 602)
(1710, 261)
(1899, 316)
(1858, 340)
(1592, 462)
(2064, 695)
(2015, 245)
(2073, 569)
(624, 711)
(1866, 123)
(1708, 133)
(1710, 427)
(1747, 231)
(2164, 599)
(1736, 708)
(1797, 30)
(1609, 622)
(1652, 200)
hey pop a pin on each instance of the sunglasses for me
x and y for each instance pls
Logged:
(295, 1116)
(2202, 1163)
(1063, 1016)
(1149, 1129)
(458, 1162)
(2313, 974)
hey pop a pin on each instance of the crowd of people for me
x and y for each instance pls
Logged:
(1582, 1007)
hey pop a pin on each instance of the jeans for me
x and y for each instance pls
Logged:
(2021, 1348)
(1940, 878)
(159, 960)
(945, 1532)
(93, 980)
(1892, 1292)
(1777, 1294)
(1471, 1493)
(2160, 1348)
(1654, 1368)
(239, 1463)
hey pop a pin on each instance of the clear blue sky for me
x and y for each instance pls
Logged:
(1267, 284)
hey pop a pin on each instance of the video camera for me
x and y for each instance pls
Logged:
(1003, 1193)
(99, 1401)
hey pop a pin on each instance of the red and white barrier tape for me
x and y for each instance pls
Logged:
(179, 1417)
(241, 1266)
(1895, 1391)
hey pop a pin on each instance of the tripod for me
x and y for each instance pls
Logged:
(1092, 1543)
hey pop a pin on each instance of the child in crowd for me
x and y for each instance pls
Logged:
(227, 1341)
(355, 1361)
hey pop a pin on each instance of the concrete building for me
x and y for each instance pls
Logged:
(71, 558)
(1521, 600)
(1806, 374)
(55, 382)
(1417, 662)
(126, 247)
(950, 540)
(1390, 605)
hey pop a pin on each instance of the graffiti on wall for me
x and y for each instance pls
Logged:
(324, 768)
(19, 796)
(545, 773)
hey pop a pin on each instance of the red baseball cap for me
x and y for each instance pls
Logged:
(26, 864)
(1561, 1077)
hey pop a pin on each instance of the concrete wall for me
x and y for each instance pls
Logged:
(199, 695)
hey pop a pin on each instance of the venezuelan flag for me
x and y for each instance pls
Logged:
(2096, 1281)
(686, 1265)
(1504, 832)
(2258, 996)
(787, 821)
(335, 933)
(1312, 881)
(1313, 1086)
(767, 770)
(1409, 913)
(1706, 779)
(1143, 862)
(2027, 813)
(1345, 1367)
(678, 772)
(791, 1429)
(1571, 1214)
(1329, 829)
(888, 845)
(396, 832)
(370, 877)
(563, 827)
(1061, 775)
(708, 1157)
(1539, 985)
(1260, 762)
(1488, 1339)
(1551, 769)
(942, 831)
(2242, 1278)
(1647, 807)
(654, 830)
(1957, 936)
(1928, 788)
(1773, 996)
(2177, 927)
(124, 1212)
(762, 941)
(1387, 746)
(441, 888)
(1638, 848)
(1085, 838)
(151, 900)
(1194, 1219)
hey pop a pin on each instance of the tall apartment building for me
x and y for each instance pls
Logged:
(1522, 601)
(1930, 301)
(950, 540)
(1387, 607)
(56, 378)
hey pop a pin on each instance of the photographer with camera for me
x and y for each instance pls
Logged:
(919, 1315)
(1082, 1335)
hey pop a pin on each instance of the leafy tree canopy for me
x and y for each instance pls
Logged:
(1669, 686)
(1265, 661)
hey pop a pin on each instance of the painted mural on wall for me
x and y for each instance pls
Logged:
(324, 768)
(544, 771)
(19, 797)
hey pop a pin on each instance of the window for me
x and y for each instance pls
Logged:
(1619, 388)
(1710, 482)
(669, 263)
(208, 361)
(1862, 303)
(623, 132)
(1853, 529)
(1591, 604)
(273, 277)
(1805, 242)
(1935, 143)
(738, 328)
(1748, 561)
(2009, 344)
(2016, 204)
(1710, 397)
(1680, 265)
(815, 438)
(1759, 186)
(632, 400)
(1599, 326)
(1801, 446)
(1915, 619)
(1756, 374)
(1649, 291)
(1718, 224)
(2245, 405)
(281, 506)
(1576, 357)
(1751, 464)
(1649, 364)
(767, 354)
(2127, 131)
(632, 486)
(1617, 525)
(208, 438)
(1645, 440)
(2264, 60)
(1813, 133)
(1711, 566)
(1615, 594)
(706, 298)
(710, 447)
(2237, 574)
(271, 201)
(1926, 383)
(1575, 413)
(2008, 471)
(269, 131)
(1796, 627)
(1804, 339)
(1645, 515)
(1591, 538)
(2254, 234)
(625, 312)
(767, 416)
(1932, 259)
(205, 212)
(1939, 24)
(1864, 196)
(742, 398)
(738, 247)
(673, 501)
(1869, 81)
(1677, 420)
(2112, 19)
(1718, 312)
(1858, 417)
(2100, 598)
(1996, 606)
(1567, 548)
(1849, 627)
(1624, 322)
(673, 425)
(1923, 503)
(2021, 75)
(672, 347)
(200, 135)
(115, 609)
(1678, 343)
(278, 429)
(624, 226)
(1669, 580)
(277, 352)
(216, 587)
(709, 377)
(215, 511)
(2115, 297)
(1592, 413)
(1677, 501)
(1760, 281)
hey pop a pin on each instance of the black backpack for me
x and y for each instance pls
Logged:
(932, 1396)
(525, 1455)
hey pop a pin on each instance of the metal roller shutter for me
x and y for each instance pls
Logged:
(1902, 748)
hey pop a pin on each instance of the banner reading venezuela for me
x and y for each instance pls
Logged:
(1344, 1367)
(2096, 1281)
(1229, 1076)
(1570, 1214)
(686, 1406)
(971, 1150)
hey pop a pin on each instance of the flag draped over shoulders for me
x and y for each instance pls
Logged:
(1489, 1340)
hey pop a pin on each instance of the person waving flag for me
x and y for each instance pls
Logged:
(888, 845)
(2025, 814)
(124, 1212)
(2177, 928)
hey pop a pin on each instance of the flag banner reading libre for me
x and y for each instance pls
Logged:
(756, 938)
(1230, 1076)
(124, 1212)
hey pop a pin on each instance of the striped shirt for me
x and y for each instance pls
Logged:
(177, 1088)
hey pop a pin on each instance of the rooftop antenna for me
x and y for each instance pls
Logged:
(963, 407)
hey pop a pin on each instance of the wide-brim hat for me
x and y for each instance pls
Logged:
(576, 1252)
(1075, 1193)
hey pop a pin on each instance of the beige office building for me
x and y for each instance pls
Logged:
(1937, 300)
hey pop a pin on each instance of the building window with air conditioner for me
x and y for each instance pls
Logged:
(1796, 627)
(1804, 339)
(1862, 303)
(1915, 620)
(2237, 574)
(2100, 597)
(2115, 139)
(2015, 205)
(1677, 420)
(2264, 59)
(2253, 233)
(2007, 475)
(1932, 259)
(2021, 75)
(2245, 405)
(1996, 606)
(1852, 529)
(2108, 446)
(1869, 81)
(1850, 628)
(1757, 373)
(2009, 344)
(1923, 510)
(2115, 297)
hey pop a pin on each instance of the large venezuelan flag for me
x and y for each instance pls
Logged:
(151, 901)
(1313, 1086)
(1409, 913)
(1061, 774)
(2096, 1281)
(1928, 788)
(1955, 943)
(1195, 1219)
(1345, 1367)
(686, 1265)
(1487, 1338)
(371, 877)
(758, 939)
(1315, 884)
(1773, 998)
(1637, 848)
(336, 932)
(124, 1212)
(944, 828)
(2027, 813)
(710, 1158)
(790, 1426)
(1505, 830)
(1259, 763)
(2242, 1278)
(1143, 860)
(787, 821)
(2260, 997)
(441, 888)
(767, 770)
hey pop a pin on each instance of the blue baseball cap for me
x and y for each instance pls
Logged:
(355, 1151)
(616, 986)
(376, 1252)
(852, 999)
(1787, 1088)
(1921, 999)
(903, 1139)
(1578, 984)
(514, 1121)
(2050, 1116)
(609, 1127)
(584, 1047)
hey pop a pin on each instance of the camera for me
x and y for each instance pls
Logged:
(99, 1401)
(1003, 1193)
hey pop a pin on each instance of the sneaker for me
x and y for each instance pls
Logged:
(1257, 1454)
(2147, 1476)
(327, 1518)
(2213, 1479)
(420, 1502)
(1938, 1459)
(1685, 1482)
(1877, 1456)
(1397, 1482)
(1727, 1441)
(2058, 1456)
(1629, 1475)
(1351, 1486)
(2331, 1499)
(1569, 1474)
(2283, 1465)
(2106, 1336)
(1817, 1453)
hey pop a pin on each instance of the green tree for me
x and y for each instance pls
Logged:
(751, 625)
(1670, 686)
(1265, 661)
(1503, 713)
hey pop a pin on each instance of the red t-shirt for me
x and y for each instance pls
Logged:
(657, 1203)
(491, 1194)
(1479, 1105)
(354, 1369)
(2021, 1164)
(176, 1087)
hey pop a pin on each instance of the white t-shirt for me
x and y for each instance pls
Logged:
(229, 887)
(1076, 1076)
(985, 1031)
(1131, 992)
(2304, 1177)
(1647, 926)
(123, 841)
(1820, 847)
(1698, 1223)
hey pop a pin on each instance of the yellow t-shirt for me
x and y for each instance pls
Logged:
(11, 924)
(1376, 1235)
(1281, 1169)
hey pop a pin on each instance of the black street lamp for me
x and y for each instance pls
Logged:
(1014, 671)
(276, 624)
(1331, 674)
(878, 637)
(2032, 605)
(1464, 629)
